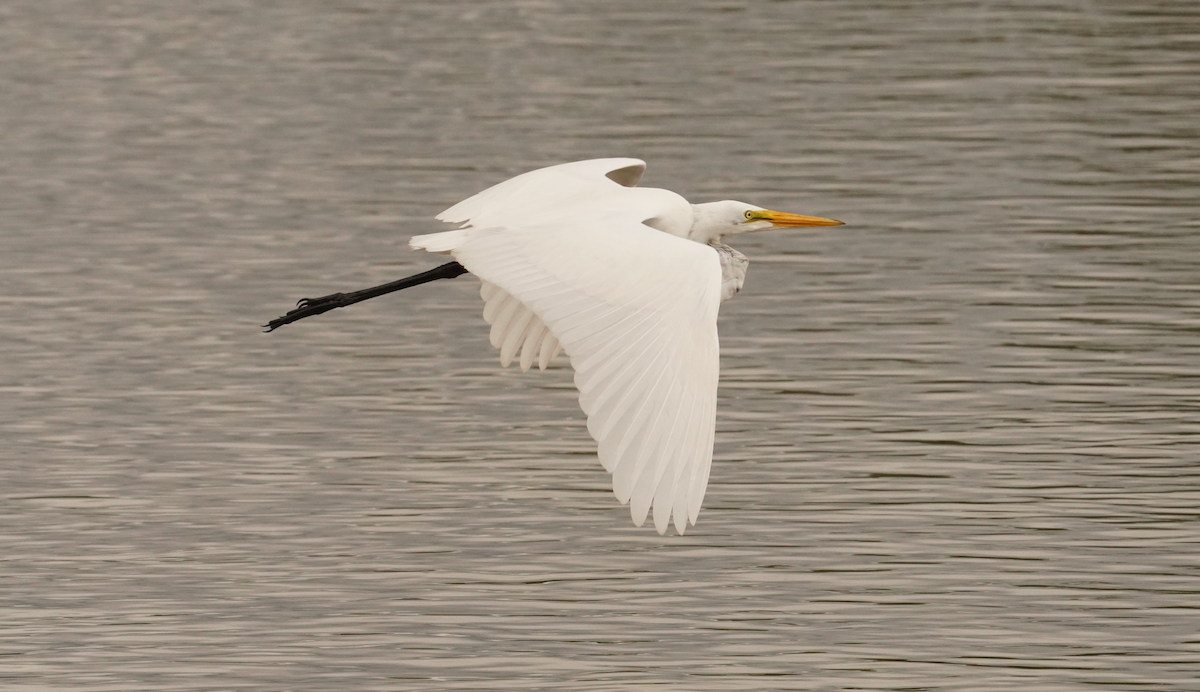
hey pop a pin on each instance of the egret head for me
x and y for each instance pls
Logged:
(717, 219)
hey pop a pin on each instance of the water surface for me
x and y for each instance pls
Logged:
(957, 438)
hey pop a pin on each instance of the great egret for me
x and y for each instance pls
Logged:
(627, 281)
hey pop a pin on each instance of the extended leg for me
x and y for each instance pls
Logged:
(315, 306)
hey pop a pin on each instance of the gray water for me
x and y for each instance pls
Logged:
(958, 437)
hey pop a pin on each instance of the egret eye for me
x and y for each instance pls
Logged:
(749, 215)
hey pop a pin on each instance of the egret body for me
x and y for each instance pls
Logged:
(627, 282)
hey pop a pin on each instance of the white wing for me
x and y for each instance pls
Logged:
(543, 191)
(636, 311)
(546, 190)
(514, 327)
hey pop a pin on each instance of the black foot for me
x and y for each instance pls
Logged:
(307, 307)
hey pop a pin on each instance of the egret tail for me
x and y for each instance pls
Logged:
(307, 307)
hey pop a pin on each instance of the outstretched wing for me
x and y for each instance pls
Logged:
(546, 190)
(543, 191)
(636, 311)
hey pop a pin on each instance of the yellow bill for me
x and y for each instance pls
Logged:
(785, 220)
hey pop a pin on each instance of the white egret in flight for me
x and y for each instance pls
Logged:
(626, 281)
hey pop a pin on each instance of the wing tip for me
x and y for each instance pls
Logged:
(445, 241)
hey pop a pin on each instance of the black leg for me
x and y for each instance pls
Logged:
(308, 307)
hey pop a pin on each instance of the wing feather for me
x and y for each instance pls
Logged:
(550, 349)
(533, 343)
(494, 304)
(514, 328)
(515, 336)
(655, 455)
(545, 189)
(679, 508)
(504, 317)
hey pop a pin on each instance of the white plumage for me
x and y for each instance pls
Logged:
(627, 281)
